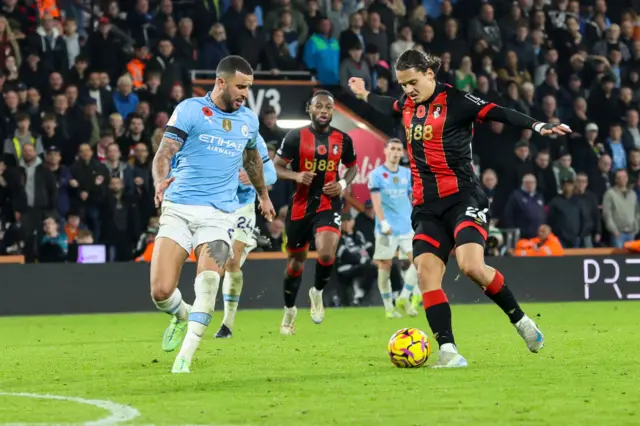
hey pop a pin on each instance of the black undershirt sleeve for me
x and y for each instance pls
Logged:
(384, 104)
(509, 116)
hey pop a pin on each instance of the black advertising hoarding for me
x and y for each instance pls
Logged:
(288, 98)
(73, 288)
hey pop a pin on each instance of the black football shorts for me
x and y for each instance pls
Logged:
(301, 231)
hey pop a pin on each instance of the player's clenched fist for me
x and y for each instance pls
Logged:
(266, 208)
(332, 189)
(357, 87)
(305, 178)
(160, 188)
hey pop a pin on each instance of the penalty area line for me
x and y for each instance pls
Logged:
(118, 413)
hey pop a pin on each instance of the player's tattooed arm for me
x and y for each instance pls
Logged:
(162, 160)
(252, 164)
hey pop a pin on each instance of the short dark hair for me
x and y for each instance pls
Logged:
(419, 60)
(21, 116)
(233, 64)
(320, 92)
(48, 117)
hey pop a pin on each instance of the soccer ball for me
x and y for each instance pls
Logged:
(409, 348)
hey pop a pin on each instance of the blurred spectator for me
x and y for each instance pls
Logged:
(403, 43)
(620, 211)
(525, 209)
(48, 44)
(277, 56)
(120, 226)
(615, 148)
(250, 41)
(545, 244)
(73, 226)
(338, 13)
(513, 71)
(634, 166)
(631, 133)
(214, 48)
(489, 181)
(54, 244)
(62, 177)
(133, 135)
(14, 146)
(374, 34)
(566, 215)
(484, 27)
(269, 125)
(465, 78)
(602, 178)
(124, 99)
(322, 55)
(171, 69)
(35, 195)
(185, 48)
(8, 43)
(89, 184)
(546, 178)
(592, 226)
(563, 172)
(119, 169)
(453, 43)
(354, 66)
(298, 23)
(354, 265)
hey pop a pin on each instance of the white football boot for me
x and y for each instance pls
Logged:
(530, 333)
(317, 306)
(288, 327)
(450, 358)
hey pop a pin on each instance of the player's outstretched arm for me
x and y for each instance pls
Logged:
(384, 104)
(518, 119)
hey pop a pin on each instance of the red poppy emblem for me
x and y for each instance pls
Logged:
(421, 111)
(207, 111)
(385, 175)
(322, 150)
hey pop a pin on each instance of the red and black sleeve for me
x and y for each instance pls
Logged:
(386, 104)
(348, 151)
(475, 108)
(290, 146)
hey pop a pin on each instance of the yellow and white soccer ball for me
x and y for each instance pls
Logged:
(409, 348)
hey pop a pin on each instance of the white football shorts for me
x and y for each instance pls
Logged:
(387, 245)
(189, 226)
(243, 230)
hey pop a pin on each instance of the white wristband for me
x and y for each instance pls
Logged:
(343, 184)
(538, 126)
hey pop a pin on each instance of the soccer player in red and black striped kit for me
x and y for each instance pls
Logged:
(314, 154)
(450, 209)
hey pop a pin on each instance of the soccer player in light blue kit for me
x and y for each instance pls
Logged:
(196, 172)
(243, 240)
(390, 187)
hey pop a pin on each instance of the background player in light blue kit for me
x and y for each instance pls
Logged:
(243, 240)
(196, 168)
(390, 186)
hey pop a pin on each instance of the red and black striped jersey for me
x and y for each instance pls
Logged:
(439, 133)
(321, 153)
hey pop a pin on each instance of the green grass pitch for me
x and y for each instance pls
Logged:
(337, 373)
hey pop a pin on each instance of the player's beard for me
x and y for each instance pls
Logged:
(227, 100)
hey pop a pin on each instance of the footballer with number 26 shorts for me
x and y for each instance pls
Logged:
(449, 208)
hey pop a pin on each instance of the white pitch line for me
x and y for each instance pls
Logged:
(118, 413)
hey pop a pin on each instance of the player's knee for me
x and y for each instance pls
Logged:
(430, 271)
(472, 269)
(161, 288)
(295, 265)
(385, 265)
(326, 259)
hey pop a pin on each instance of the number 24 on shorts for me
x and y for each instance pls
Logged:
(243, 223)
(477, 214)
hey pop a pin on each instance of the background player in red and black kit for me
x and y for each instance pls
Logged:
(450, 209)
(314, 154)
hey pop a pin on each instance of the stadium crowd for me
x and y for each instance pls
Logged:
(88, 87)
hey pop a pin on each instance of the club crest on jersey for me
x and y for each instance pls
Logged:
(396, 180)
(437, 110)
(245, 130)
(322, 150)
(336, 148)
(226, 125)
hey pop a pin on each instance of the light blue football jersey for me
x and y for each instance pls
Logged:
(247, 193)
(207, 165)
(394, 189)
